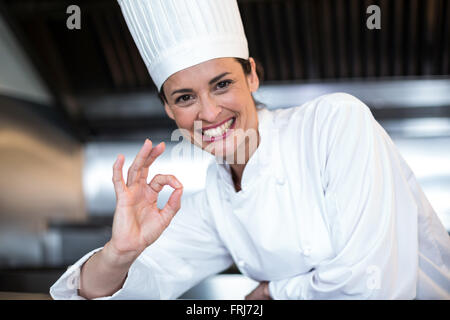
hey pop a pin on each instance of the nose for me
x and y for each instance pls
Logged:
(209, 109)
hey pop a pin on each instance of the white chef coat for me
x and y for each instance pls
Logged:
(328, 210)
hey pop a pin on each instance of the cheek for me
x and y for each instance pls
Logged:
(234, 101)
(184, 119)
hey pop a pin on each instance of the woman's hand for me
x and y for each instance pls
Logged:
(260, 293)
(138, 222)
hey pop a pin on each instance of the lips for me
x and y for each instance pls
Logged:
(215, 125)
(220, 131)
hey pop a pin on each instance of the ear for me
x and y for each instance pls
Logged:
(169, 111)
(252, 78)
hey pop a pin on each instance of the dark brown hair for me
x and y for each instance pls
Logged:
(246, 66)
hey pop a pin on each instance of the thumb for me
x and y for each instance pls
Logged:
(173, 204)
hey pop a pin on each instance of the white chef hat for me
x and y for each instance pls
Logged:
(172, 35)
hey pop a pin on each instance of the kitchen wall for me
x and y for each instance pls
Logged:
(40, 179)
(40, 163)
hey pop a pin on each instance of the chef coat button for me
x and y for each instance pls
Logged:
(280, 180)
(307, 251)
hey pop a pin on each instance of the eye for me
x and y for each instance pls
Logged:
(223, 84)
(183, 98)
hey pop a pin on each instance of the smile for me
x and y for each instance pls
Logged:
(219, 132)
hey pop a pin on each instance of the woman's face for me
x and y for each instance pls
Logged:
(212, 102)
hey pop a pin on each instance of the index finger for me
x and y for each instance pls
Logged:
(160, 180)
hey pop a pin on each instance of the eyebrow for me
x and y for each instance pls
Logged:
(186, 90)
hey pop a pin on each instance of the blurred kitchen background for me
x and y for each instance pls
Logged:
(71, 100)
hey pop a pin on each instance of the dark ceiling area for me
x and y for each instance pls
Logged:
(295, 41)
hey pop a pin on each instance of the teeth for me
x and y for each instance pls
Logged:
(219, 131)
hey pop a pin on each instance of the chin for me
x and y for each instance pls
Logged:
(229, 152)
(218, 149)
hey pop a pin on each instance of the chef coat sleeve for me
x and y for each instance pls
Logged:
(188, 251)
(370, 212)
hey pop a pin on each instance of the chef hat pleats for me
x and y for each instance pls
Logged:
(172, 35)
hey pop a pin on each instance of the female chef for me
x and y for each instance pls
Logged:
(322, 205)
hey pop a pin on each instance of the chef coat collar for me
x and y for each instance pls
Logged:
(260, 159)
